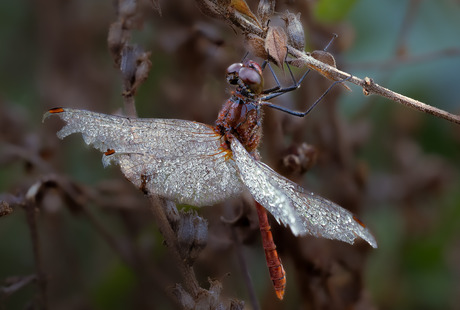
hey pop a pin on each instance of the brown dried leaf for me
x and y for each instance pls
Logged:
(135, 66)
(328, 59)
(256, 45)
(265, 11)
(294, 30)
(276, 45)
(325, 57)
(143, 68)
(297, 62)
(239, 13)
(116, 40)
(242, 7)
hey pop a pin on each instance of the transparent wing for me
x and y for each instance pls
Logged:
(304, 212)
(177, 159)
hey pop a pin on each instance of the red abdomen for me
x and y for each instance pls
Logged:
(275, 267)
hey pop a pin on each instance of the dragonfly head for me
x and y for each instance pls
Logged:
(248, 76)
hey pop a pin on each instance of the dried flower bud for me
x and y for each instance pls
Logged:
(294, 29)
(265, 11)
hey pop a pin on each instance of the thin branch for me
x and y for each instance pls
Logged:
(31, 214)
(19, 283)
(157, 207)
(244, 269)
(407, 23)
(369, 87)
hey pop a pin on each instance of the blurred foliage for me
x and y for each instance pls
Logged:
(332, 11)
(54, 54)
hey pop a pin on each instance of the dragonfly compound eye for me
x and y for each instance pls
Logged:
(233, 73)
(252, 79)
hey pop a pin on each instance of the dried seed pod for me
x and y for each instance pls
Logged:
(265, 11)
(294, 30)
(276, 45)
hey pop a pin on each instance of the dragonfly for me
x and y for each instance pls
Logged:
(198, 164)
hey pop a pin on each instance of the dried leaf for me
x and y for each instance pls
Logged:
(294, 30)
(265, 11)
(135, 66)
(142, 71)
(242, 7)
(325, 57)
(328, 59)
(256, 45)
(116, 40)
(240, 15)
(276, 45)
(297, 62)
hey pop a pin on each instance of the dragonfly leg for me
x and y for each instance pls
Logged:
(278, 90)
(302, 114)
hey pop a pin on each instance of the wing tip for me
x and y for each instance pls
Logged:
(366, 236)
(371, 240)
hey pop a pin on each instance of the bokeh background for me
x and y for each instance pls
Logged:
(395, 167)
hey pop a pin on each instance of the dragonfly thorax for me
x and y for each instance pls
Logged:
(241, 117)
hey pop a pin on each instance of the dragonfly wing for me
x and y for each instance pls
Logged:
(177, 159)
(321, 217)
(305, 212)
(264, 191)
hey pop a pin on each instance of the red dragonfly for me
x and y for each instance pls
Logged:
(198, 164)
